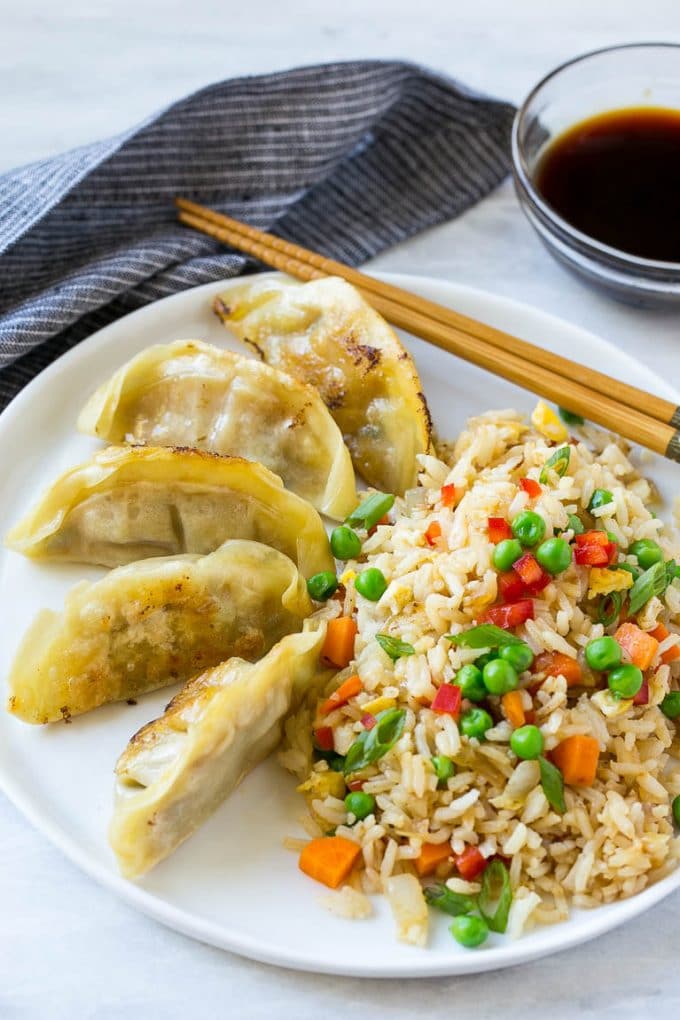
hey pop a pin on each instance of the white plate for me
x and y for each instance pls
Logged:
(233, 884)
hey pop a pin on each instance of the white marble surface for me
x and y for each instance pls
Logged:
(71, 72)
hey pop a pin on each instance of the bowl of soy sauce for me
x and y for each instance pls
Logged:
(596, 162)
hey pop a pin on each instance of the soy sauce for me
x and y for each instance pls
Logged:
(616, 177)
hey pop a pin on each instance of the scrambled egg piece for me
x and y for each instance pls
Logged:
(610, 706)
(545, 421)
(602, 581)
(379, 705)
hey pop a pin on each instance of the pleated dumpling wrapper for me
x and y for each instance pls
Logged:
(135, 501)
(325, 334)
(189, 393)
(177, 770)
(154, 623)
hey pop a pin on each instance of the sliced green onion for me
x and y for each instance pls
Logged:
(653, 581)
(486, 635)
(569, 418)
(559, 462)
(609, 608)
(495, 897)
(368, 513)
(672, 571)
(552, 782)
(575, 524)
(629, 568)
(444, 899)
(372, 744)
(394, 647)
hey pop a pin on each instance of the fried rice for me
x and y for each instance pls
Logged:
(616, 835)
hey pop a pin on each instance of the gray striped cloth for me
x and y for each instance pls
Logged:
(345, 158)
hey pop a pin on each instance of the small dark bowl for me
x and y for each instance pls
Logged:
(610, 79)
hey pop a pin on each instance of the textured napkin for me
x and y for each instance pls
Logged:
(345, 158)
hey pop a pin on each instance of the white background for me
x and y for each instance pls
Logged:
(75, 70)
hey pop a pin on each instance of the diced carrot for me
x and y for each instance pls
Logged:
(530, 716)
(449, 495)
(431, 856)
(383, 520)
(338, 646)
(329, 859)
(349, 688)
(671, 654)
(641, 647)
(433, 533)
(558, 664)
(532, 488)
(323, 737)
(513, 708)
(498, 529)
(576, 757)
(470, 863)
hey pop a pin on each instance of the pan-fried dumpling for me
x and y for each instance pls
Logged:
(324, 333)
(154, 623)
(188, 393)
(131, 502)
(177, 770)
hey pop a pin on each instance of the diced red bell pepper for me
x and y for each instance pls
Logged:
(449, 495)
(323, 738)
(511, 587)
(368, 721)
(447, 700)
(511, 615)
(498, 529)
(532, 574)
(433, 533)
(642, 696)
(532, 488)
(355, 784)
(470, 863)
(593, 549)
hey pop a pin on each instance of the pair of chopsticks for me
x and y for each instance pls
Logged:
(631, 412)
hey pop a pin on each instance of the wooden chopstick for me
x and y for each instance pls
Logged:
(635, 414)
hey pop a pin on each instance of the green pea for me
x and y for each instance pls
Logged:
(625, 681)
(444, 768)
(575, 524)
(527, 742)
(601, 497)
(360, 804)
(519, 656)
(603, 653)
(648, 552)
(371, 584)
(322, 586)
(481, 661)
(345, 543)
(670, 706)
(475, 722)
(529, 528)
(499, 677)
(675, 806)
(469, 930)
(554, 555)
(469, 679)
(506, 553)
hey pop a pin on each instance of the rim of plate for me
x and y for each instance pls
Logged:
(555, 939)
